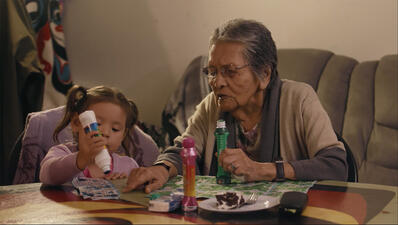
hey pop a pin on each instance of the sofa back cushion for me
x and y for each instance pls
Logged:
(371, 120)
(327, 73)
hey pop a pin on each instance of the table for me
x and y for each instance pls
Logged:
(329, 202)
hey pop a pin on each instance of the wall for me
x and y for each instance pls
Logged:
(143, 47)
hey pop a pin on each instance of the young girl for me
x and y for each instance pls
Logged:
(115, 115)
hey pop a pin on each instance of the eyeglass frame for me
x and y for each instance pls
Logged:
(223, 70)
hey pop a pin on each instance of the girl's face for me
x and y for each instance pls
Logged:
(111, 120)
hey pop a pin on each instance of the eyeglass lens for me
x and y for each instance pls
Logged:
(225, 70)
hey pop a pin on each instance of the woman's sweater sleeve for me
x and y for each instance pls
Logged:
(327, 156)
(198, 125)
(328, 164)
(58, 166)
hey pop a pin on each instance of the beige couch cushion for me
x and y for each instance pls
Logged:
(371, 120)
(327, 73)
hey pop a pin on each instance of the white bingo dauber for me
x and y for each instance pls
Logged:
(89, 123)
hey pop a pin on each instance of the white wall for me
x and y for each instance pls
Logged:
(143, 47)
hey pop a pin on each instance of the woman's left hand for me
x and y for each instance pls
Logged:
(238, 163)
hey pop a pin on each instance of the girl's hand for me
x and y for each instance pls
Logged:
(238, 163)
(114, 176)
(90, 145)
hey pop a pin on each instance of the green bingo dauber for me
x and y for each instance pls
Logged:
(221, 134)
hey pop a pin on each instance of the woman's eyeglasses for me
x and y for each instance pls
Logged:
(229, 70)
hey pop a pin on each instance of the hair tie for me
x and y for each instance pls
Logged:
(80, 100)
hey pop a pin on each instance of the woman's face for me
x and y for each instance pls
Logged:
(111, 120)
(237, 89)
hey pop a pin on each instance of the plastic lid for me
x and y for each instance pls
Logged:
(87, 117)
(106, 169)
(188, 142)
(221, 124)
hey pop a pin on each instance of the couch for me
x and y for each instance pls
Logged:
(361, 99)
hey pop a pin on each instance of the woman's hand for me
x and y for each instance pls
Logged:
(90, 145)
(153, 178)
(238, 163)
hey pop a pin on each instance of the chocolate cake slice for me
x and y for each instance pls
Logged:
(230, 200)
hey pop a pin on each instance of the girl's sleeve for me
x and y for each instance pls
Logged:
(123, 164)
(58, 166)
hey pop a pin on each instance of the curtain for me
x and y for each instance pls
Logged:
(46, 18)
(22, 80)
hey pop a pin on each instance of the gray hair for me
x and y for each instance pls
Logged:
(260, 49)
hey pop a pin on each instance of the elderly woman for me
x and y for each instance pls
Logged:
(278, 128)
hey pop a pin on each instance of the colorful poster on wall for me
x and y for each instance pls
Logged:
(46, 17)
